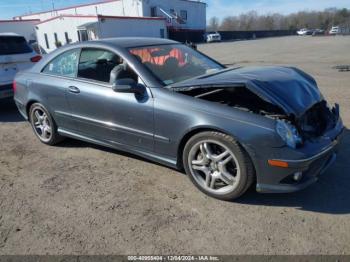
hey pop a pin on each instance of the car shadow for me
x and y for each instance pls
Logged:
(9, 111)
(331, 194)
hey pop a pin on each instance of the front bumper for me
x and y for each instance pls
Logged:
(280, 180)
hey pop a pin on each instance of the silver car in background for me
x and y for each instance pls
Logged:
(213, 37)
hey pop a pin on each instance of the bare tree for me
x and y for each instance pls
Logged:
(230, 23)
(213, 24)
(251, 21)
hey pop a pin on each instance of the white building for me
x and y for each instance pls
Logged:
(180, 14)
(67, 29)
(177, 19)
(25, 28)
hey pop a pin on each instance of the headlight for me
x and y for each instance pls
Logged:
(288, 133)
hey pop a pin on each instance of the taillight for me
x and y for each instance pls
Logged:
(14, 86)
(36, 58)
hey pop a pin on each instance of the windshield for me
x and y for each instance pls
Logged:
(174, 63)
(11, 45)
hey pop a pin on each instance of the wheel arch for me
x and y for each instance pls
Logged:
(29, 104)
(190, 133)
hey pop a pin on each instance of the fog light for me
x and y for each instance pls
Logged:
(297, 176)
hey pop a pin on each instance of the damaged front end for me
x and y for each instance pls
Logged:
(287, 95)
(318, 120)
(315, 122)
(311, 125)
(307, 130)
(235, 96)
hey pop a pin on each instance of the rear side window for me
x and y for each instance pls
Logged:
(63, 65)
(97, 64)
(11, 45)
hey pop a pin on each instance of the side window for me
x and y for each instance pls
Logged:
(47, 41)
(67, 38)
(63, 65)
(183, 14)
(98, 64)
(153, 11)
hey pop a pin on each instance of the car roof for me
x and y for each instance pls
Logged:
(127, 42)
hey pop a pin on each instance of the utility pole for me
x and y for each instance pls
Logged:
(53, 8)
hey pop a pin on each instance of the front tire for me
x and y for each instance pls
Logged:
(43, 125)
(217, 165)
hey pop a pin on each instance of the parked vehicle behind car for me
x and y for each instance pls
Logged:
(317, 32)
(334, 30)
(15, 55)
(213, 37)
(304, 31)
(228, 128)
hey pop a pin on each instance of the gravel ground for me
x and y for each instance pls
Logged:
(77, 198)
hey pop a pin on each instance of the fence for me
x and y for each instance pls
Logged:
(198, 36)
(235, 35)
(195, 36)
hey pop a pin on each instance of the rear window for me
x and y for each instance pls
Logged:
(10, 45)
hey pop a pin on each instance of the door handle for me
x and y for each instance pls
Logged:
(73, 89)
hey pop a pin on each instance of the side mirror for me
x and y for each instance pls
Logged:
(127, 85)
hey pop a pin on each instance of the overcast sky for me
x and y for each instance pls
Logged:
(219, 8)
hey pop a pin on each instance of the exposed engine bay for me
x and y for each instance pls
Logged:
(317, 120)
(312, 124)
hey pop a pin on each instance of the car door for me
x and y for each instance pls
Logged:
(55, 76)
(103, 114)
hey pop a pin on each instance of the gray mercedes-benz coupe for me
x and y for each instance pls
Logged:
(228, 128)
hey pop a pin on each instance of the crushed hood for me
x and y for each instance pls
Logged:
(289, 88)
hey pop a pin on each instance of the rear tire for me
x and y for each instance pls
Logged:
(43, 125)
(217, 165)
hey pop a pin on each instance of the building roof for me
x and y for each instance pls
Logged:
(9, 34)
(95, 3)
(132, 17)
(102, 17)
(62, 16)
(19, 21)
(68, 7)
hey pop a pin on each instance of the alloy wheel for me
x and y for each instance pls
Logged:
(41, 123)
(214, 167)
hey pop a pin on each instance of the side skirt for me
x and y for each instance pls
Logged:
(170, 162)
